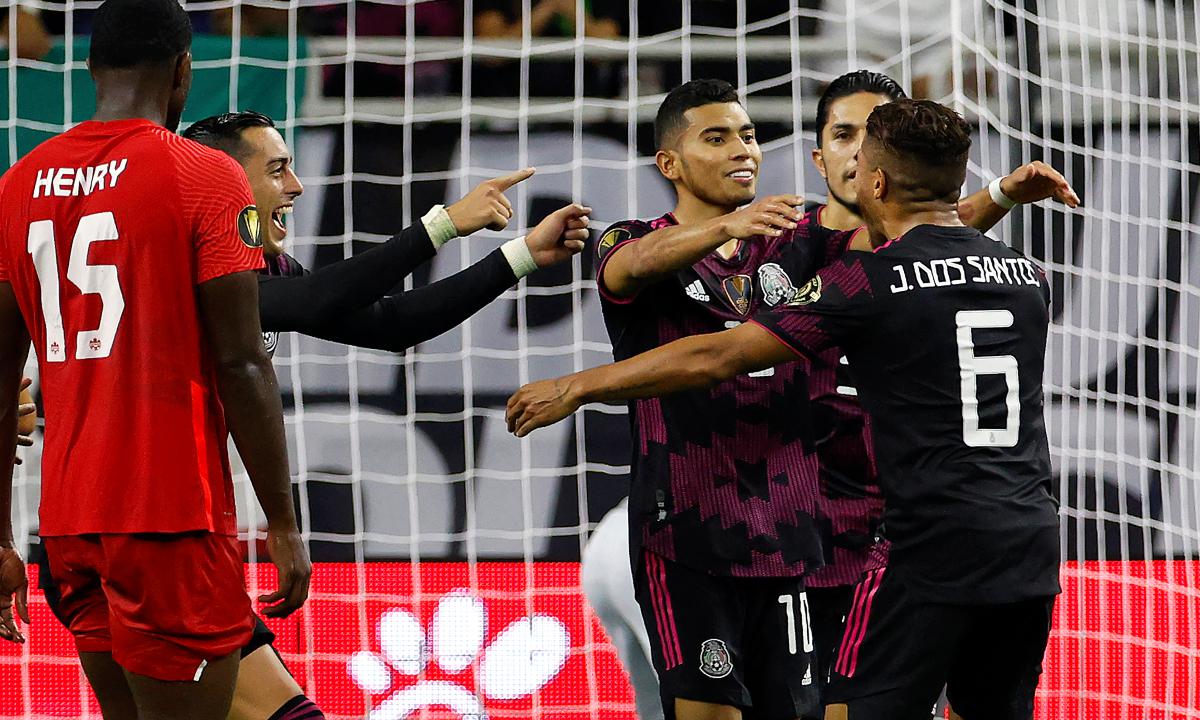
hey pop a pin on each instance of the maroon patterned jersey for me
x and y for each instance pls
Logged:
(723, 480)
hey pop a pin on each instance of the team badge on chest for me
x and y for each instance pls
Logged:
(715, 661)
(739, 289)
(776, 285)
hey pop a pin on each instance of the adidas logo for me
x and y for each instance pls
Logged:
(696, 291)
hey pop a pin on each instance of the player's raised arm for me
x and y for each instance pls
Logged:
(13, 350)
(1029, 183)
(631, 263)
(692, 363)
(398, 322)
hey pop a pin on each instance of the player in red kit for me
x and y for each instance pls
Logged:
(130, 255)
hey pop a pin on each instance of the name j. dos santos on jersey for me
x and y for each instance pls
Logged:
(948, 272)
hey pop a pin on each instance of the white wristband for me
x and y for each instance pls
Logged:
(440, 227)
(999, 197)
(516, 252)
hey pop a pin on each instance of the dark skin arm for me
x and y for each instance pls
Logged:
(691, 363)
(250, 395)
(14, 347)
(666, 251)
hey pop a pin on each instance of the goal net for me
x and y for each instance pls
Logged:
(447, 551)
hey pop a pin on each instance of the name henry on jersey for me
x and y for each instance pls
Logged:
(951, 271)
(69, 182)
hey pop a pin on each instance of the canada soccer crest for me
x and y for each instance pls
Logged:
(715, 661)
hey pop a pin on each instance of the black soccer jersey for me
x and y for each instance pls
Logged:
(945, 332)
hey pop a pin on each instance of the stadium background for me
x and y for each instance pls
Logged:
(448, 550)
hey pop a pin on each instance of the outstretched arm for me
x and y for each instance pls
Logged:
(398, 322)
(330, 292)
(634, 265)
(1032, 182)
(692, 363)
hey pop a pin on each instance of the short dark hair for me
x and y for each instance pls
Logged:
(695, 93)
(852, 83)
(128, 33)
(930, 138)
(224, 132)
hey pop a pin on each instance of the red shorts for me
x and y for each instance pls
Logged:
(164, 605)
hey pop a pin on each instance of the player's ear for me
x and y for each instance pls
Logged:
(819, 160)
(668, 164)
(183, 70)
(879, 185)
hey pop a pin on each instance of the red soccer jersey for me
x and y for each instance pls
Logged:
(106, 231)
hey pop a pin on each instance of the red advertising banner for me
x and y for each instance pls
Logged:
(510, 640)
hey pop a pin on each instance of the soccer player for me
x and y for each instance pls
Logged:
(130, 256)
(849, 502)
(346, 302)
(686, 273)
(945, 331)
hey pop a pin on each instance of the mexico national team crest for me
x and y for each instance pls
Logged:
(738, 289)
(810, 293)
(715, 661)
(611, 239)
(248, 227)
(776, 285)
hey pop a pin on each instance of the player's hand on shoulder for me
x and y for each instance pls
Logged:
(1037, 181)
(560, 235)
(12, 582)
(539, 404)
(486, 206)
(290, 556)
(772, 217)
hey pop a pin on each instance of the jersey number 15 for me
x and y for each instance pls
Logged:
(90, 279)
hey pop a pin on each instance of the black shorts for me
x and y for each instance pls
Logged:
(828, 608)
(898, 652)
(261, 635)
(744, 642)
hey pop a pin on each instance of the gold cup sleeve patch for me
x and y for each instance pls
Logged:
(248, 227)
(612, 238)
(808, 294)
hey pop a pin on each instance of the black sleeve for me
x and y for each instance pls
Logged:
(398, 322)
(329, 293)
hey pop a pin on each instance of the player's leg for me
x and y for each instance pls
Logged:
(608, 585)
(895, 653)
(69, 571)
(780, 650)
(109, 685)
(179, 618)
(696, 624)
(264, 685)
(996, 672)
(207, 696)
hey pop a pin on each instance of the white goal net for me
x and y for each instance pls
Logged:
(447, 551)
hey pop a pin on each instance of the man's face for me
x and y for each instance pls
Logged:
(840, 140)
(864, 185)
(268, 165)
(718, 155)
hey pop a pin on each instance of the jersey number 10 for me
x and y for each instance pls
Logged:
(90, 279)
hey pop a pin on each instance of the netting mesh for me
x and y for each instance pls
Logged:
(446, 548)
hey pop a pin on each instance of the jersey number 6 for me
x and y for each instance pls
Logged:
(971, 366)
(90, 279)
